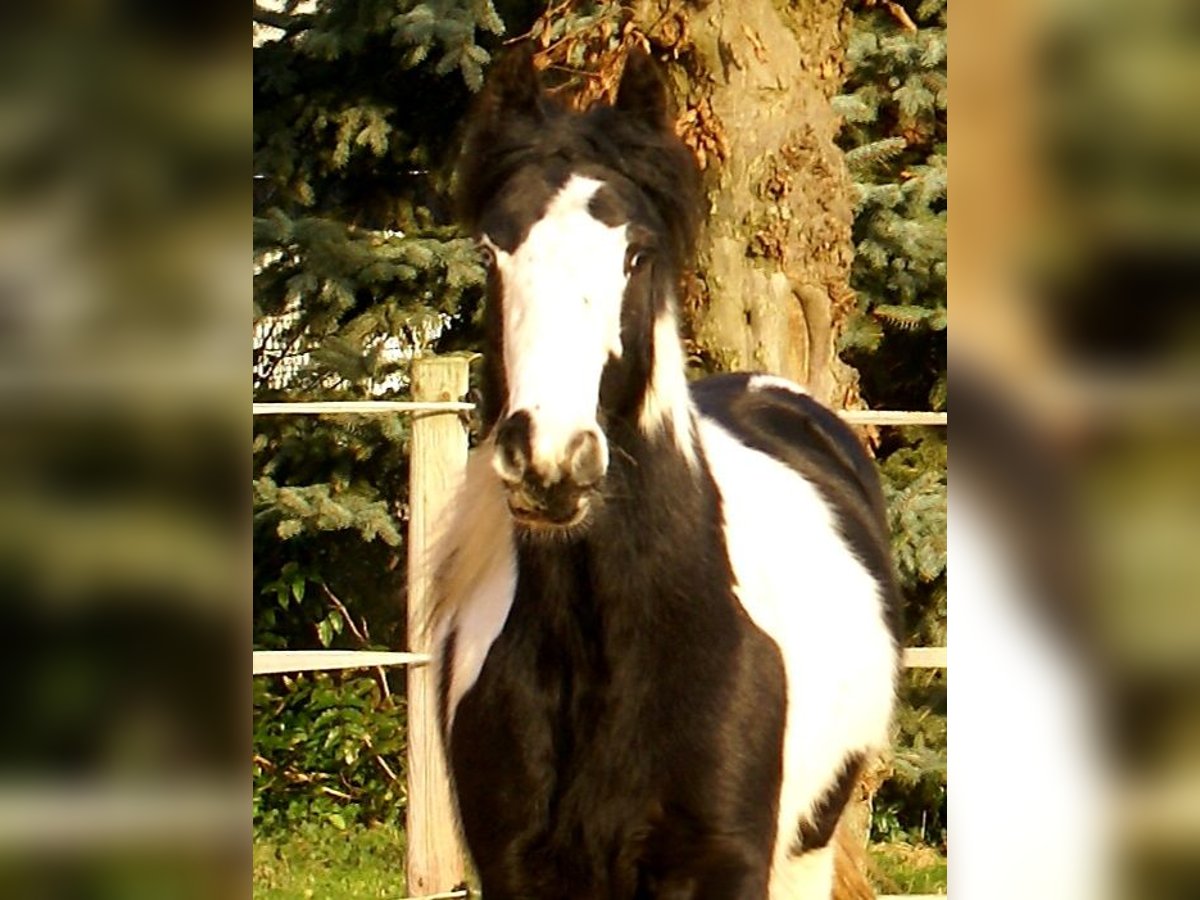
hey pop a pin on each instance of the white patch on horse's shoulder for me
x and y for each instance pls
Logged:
(475, 576)
(804, 587)
(764, 382)
(668, 402)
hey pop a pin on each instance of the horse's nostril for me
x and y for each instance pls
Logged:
(511, 456)
(587, 458)
(510, 463)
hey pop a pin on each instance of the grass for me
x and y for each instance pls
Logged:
(323, 862)
(901, 868)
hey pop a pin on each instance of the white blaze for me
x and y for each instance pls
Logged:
(563, 289)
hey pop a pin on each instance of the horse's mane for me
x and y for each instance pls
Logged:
(474, 537)
(515, 125)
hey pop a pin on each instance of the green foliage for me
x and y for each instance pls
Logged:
(322, 507)
(358, 265)
(901, 867)
(915, 489)
(911, 805)
(893, 110)
(324, 747)
(328, 502)
(327, 748)
(354, 243)
(335, 293)
(317, 859)
(894, 133)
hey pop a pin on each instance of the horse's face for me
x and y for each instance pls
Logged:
(581, 264)
(573, 305)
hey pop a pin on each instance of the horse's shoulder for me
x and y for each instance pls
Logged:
(779, 418)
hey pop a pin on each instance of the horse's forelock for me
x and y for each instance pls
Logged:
(511, 129)
(662, 168)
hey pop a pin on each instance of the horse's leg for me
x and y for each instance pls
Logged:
(734, 879)
(728, 886)
(724, 873)
(807, 876)
(512, 880)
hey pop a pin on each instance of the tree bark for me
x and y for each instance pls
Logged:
(774, 264)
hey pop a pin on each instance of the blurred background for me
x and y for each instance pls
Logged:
(124, 555)
(1074, 509)
(1075, 477)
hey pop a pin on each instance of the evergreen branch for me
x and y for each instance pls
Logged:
(860, 158)
(265, 379)
(290, 23)
(288, 351)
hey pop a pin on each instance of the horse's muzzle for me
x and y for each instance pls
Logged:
(543, 491)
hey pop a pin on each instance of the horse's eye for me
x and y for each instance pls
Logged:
(486, 254)
(636, 258)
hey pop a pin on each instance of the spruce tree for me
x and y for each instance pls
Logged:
(358, 265)
(893, 108)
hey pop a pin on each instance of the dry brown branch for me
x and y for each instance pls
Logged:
(360, 636)
(387, 770)
(345, 613)
(901, 15)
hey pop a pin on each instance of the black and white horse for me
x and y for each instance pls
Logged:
(667, 623)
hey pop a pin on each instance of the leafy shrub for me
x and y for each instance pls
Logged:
(327, 747)
(911, 805)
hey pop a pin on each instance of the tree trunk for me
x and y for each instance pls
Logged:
(774, 265)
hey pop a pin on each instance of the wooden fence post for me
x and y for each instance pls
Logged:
(438, 457)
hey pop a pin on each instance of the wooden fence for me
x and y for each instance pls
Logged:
(438, 454)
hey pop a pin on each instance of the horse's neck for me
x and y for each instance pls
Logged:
(658, 524)
(658, 515)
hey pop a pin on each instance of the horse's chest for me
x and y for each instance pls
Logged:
(566, 709)
(578, 728)
(548, 760)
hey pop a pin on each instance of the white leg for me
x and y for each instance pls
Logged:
(808, 876)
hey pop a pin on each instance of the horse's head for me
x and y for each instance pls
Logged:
(585, 220)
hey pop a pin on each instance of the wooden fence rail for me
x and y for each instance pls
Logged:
(383, 407)
(438, 456)
(360, 407)
(274, 662)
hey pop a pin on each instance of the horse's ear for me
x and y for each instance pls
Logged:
(642, 91)
(513, 86)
